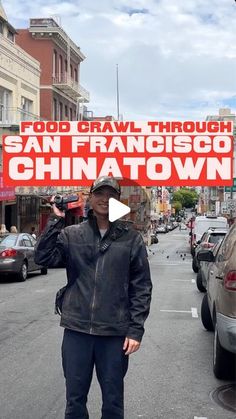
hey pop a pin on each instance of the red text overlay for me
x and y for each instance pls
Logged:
(150, 153)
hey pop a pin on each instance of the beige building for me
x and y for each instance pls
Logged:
(219, 200)
(19, 78)
(19, 100)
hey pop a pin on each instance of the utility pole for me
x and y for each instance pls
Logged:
(231, 207)
(117, 92)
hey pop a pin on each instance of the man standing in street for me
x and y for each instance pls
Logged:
(105, 303)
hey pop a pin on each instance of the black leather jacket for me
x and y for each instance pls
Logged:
(110, 286)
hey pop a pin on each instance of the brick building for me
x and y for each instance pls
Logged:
(61, 98)
(61, 94)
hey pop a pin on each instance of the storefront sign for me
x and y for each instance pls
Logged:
(6, 192)
(231, 188)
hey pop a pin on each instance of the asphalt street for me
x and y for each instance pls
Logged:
(170, 377)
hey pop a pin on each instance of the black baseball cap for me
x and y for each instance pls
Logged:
(105, 181)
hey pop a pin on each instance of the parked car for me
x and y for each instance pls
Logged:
(218, 310)
(207, 241)
(161, 229)
(205, 268)
(154, 238)
(17, 255)
(201, 224)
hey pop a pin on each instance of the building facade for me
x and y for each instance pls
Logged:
(61, 95)
(19, 100)
(39, 79)
(61, 98)
(220, 200)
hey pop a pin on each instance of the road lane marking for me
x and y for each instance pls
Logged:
(174, 264)
(177, 311)
(182, 280)
(193, 280)
(194, 312)
(199, 417)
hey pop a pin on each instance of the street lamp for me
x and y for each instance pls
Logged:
(117, 92)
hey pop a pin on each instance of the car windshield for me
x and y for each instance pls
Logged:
(214, 238)
(8, 241)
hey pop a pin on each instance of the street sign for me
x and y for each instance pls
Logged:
(231, 204)
(228, 189)
(233, 188)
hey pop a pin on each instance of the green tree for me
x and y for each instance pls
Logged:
(178, 196)
(177, 206)
(187, 197)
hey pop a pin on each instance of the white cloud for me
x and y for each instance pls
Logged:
(176, 59)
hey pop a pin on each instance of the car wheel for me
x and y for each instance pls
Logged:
(199, 282)
(206, 314)
(223, 360)
(22, 275)
(44, 271)
(194, 265)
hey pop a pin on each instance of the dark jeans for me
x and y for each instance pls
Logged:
(80, 352)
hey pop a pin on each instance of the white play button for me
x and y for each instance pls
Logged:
(117, 209)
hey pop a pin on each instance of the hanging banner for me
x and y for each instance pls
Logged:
(7, 193)
(175, 153)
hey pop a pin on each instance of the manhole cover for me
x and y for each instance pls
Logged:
(225, 396)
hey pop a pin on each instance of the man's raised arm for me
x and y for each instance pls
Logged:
(51, 245)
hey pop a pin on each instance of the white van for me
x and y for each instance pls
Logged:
(202, 223)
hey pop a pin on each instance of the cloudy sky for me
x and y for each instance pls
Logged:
(177, 59)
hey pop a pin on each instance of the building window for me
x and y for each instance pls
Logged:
(27, 108)
(28, 209)
(70, 114)
(7, 114)
(54, 64)
(66, 69)
(55, 109)
(10, 35)
(60, 70)
(1, 104)
(1, 27)
(71, 71)
(66, 111)
(60, 111)
(76, 74)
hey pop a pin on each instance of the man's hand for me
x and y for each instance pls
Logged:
(56, 211)
(130, 346)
